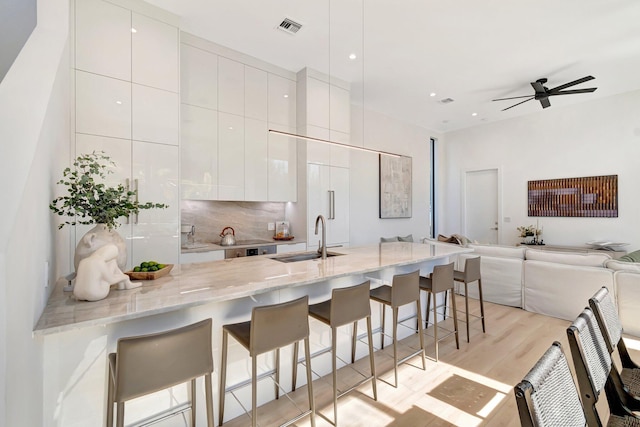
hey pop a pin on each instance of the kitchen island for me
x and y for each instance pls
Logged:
(77, 336)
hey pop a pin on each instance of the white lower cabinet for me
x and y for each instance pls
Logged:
(294, 247)
(328, 195)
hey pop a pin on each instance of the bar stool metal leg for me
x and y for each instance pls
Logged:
(223, 376)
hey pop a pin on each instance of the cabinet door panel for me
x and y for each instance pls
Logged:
(318, 181)
(255, 160)
(255, 93)
(339, 110)
(318, 152)
(282, 101)
(155, 175)
(103, 24)
(103, 106)
(155, 242)
(230, 86)
(155, 115)
(199, 149)
(230, 157)
(283, 175)
(317, 103)
(339, 156)
(198, 77)
(154, 48)
(338, 227)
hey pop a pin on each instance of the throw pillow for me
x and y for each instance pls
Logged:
(446, 239)
(388, 239)
(630, 257)
(407, 238)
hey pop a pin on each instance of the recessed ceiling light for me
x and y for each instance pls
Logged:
(432, 94)
(352, 56)
(286, 95)
(133, 30)
(474, 114)
(119, 102)
(230, 127)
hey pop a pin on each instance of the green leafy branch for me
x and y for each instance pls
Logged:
(89, 201)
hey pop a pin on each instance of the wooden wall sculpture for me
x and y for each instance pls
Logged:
(593, 196)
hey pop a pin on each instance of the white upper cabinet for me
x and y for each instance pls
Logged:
(255, 93)
(282, 171)
(199, 149)
(103, 39)
(339, 110)
(155, 115)
(230, 86)
(282, 101)
(230, 157)
(103, 106)
(198, 77)
(317, 103)
(154, 49)
(255, 160)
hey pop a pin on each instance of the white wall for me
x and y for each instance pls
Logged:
(600, 137)
(34, 110)
(387, 134)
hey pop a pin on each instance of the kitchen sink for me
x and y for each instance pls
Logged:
(303, 256)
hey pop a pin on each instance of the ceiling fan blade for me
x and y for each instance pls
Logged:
(515, 105)
(538, 87)
(545, 102)
(573, 83)
(512, 97)
(574, 91)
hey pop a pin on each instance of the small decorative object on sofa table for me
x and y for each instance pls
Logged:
(530, 235)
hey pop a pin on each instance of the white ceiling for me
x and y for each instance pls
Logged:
(469, 50)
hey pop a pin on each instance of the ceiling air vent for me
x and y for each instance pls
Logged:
(446, 101)
(289, 26)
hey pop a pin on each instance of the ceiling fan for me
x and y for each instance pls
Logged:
(542, 93)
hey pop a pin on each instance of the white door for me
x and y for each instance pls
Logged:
(481, 205)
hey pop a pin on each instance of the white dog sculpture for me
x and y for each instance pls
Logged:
(97, 272)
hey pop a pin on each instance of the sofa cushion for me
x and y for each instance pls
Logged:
(388, 239)
(498, 251)
(407, 238)
(631, 257)
(561, 290)
(617, 265)
(570, 258)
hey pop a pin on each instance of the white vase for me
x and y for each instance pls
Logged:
(96, 238)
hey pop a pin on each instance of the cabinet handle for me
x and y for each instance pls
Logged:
(135, 182)
(127, 184)
(332, 204)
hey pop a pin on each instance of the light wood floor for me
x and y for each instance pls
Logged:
(472, 386)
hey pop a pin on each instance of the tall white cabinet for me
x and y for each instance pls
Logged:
(324, 112)
(127, 105)
(229, 102)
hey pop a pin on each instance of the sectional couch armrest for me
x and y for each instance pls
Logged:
(627, 292)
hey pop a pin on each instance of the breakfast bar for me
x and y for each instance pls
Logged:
(77, 336)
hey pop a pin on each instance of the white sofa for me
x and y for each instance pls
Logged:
(557, 284)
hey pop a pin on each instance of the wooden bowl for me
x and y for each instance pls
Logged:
(149, 275)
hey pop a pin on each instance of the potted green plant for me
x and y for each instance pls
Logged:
(88, 200)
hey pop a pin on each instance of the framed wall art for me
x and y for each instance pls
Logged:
(592, 196)
(395, 186)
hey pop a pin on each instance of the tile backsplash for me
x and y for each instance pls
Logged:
(248, 219)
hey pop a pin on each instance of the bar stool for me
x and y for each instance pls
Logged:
(149, 363)
(471, 274)
(404, 289)
(441, 280)
(270, 328)
(347, 305)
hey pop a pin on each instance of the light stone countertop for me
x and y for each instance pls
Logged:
(190, 285)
